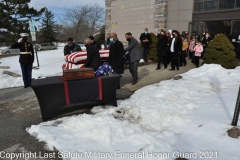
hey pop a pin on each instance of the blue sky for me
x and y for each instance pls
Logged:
(58, 6)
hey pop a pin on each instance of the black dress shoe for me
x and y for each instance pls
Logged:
(158, 68)
(171, 69)
(177, 68)
(25, 86)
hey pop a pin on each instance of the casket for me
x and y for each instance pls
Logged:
(82, 73)
(81, 57)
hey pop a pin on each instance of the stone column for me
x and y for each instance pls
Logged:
(107, 16)
(160, 21)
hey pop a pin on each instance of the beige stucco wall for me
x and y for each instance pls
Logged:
(179, 14)
(132, 16)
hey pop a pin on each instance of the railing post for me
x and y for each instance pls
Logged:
(237, 110)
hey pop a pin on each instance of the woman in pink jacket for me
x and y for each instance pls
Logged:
(198, 52)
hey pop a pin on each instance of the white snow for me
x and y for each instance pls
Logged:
(190, 115)
(50, 64)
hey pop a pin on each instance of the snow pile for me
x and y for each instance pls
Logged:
(157, 122)
(50, 65)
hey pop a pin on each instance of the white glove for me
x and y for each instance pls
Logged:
(20, 40)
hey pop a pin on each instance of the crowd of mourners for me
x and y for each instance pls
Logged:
(173, 48)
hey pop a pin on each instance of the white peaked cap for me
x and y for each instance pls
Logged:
(24, 34)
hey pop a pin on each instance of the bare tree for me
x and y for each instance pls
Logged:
(82, 21)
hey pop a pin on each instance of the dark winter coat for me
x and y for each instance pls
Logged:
(74, 48)
(93, 57)
(205, 41)
(116, 53)
(25, 47)
(146, 36)
(97, 44)
(162, 46)
(177, 45)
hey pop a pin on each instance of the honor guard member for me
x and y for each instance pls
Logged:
(26, 58)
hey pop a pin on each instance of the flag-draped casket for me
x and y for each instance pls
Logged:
(77, 59)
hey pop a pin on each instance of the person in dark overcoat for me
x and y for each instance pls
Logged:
(26, 58)
(146, 40)
(93, 55)
(95, 42)
(162, 50)
(175, 49)
(71, 47)
(116, 53)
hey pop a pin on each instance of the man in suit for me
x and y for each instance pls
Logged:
(93, 55)
(26, 58)
(146, 40)
(71, 47)
(134, 56)
(175, 49)
(116, 53)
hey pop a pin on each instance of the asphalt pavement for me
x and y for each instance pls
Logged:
(19, 109)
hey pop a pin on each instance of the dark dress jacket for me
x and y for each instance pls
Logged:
(25, 47)
(74, 48)
(93, 57)
(146, 36)
(177, 45)
(116, 53)
(162, 46)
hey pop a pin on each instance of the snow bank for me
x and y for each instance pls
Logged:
(50, 65)
(157, 122)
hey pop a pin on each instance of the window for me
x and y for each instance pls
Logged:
(198, 7)
(226, 4)
(237, 3)
(211, 5)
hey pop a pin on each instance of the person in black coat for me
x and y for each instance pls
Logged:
(116, 53)
(26, 58)
(146, 40)
(162, 50)
(175, 49)
(95, 43)
(93, 55)
(71, 47)
(205, 40)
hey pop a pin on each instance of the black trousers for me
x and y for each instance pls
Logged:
(133, 67)
(26, 73)
(163, 60)
(197, 60)
(193, 56)
(183, 61)
(174, 56)
(145, 52)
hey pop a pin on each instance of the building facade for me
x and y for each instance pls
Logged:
(217, 16)
(134, 16)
